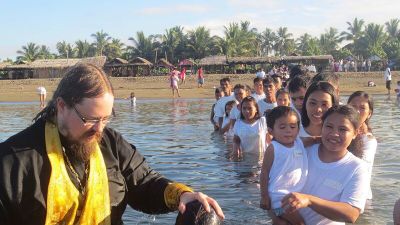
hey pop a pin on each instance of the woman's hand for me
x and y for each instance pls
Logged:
(187, 197)
(295, 201)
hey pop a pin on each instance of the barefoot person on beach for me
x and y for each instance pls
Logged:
(69, 167)
(174, 79)
(200, 77)
(42, 96)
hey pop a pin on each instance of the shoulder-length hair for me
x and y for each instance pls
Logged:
(367, 97)
(317, 86)
(252, 100)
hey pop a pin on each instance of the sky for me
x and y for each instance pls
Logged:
(46, 22)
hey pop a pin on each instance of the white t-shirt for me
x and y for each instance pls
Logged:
(345, 181)
(369, 149)
(41, 90)
(264, 106)
(234, 114)
(388, 74)
(258, 97)
(219, 109)
(288, 172)
(260, 74)
(252, 136)
(303, 132)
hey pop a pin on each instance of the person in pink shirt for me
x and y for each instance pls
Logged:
(183, 75)
(200, 77)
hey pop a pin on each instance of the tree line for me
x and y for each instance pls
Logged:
(239, 39)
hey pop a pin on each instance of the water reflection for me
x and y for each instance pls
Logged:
(178, 141)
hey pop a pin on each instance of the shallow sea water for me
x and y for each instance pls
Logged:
(177, 139)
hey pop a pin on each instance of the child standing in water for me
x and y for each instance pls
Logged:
(240, 91)
(285, 164)
(250, 130)
(213, 118)
(227, 121)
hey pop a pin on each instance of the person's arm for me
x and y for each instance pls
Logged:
(236, 143)
(268, 160)
(308, 141)
(336, 211)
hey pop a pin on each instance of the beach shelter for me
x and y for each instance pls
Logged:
(139, 66)
(188, 64)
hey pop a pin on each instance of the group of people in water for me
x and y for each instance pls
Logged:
(318, 152)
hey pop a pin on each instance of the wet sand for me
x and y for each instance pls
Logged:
(156, 87)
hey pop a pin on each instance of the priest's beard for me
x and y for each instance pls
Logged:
(80, 148)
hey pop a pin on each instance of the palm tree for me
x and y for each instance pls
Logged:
(373, 40)
(199, 42)
(65, 50)
(240, 40)
(355, 33)
(44, 53)
(303, 42)
(268, 38)
(170, 42)
(29, 52)
(83, 49)
(330, 41)
(114, 49)
(392, 27)
(101, 40)
(142, 46)
(282, 39)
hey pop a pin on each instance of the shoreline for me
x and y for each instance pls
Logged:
(157, 87)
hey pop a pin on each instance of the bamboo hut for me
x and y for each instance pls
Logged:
(162, 67)
(117, 67)
(214, 64)
(48, 68)
(139, 67)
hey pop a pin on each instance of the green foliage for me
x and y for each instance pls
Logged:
(392, 49)
(341, 53)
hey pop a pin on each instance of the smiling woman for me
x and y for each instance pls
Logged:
(336, 187)
(320, 96)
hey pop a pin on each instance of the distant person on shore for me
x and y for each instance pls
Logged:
(368, 65)
(388, 79)
(200, 77)
(174, 79)
(183, 75)
(260, 73)
(42, 96)
(132, 98)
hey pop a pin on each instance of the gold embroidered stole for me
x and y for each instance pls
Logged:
(64, 199)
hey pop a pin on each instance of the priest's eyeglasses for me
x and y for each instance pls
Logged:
(91, 122)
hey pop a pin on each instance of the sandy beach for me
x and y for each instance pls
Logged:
(155, 87)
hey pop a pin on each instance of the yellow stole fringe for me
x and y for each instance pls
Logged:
(64, 199)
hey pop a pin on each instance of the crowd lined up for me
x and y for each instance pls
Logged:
(318, 152)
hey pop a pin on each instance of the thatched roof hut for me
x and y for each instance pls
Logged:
(164, 63)
(3, 65)
(49, 68)
(139, 61)
(216, 60)
(116, 62)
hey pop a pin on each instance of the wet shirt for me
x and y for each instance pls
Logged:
(25, 172)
